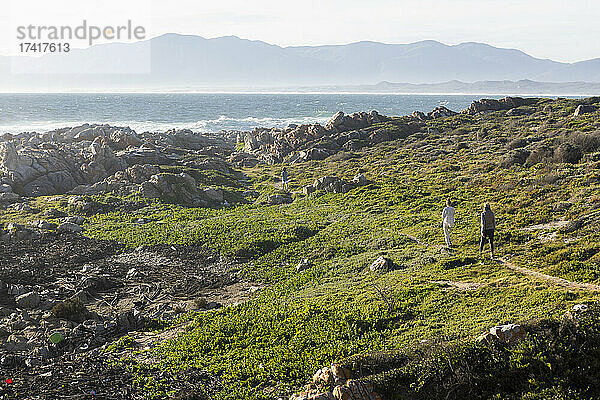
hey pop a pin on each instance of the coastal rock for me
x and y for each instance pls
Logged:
(333, 184)
(419, 115)
(19, 233)
(303, 265)
(308, 189)
(341, 122)
(77, 220)
(334, 383)
(488, 105)
(307, 141)
(214, 195)
(440, 112)
(381, 264)
(515, 157)
(45, 225)
(325, 182)
(9, 197)
(18, 343)
(580, 308)
(515, 112)
(584, 109)
(355, 390)
(276, 199)
(509, 333)
(28, 300)
(360, 179)
(313, 154)
(69, 227)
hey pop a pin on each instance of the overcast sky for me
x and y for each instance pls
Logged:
(562, 30)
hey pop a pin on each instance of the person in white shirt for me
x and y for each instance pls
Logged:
(448, 221)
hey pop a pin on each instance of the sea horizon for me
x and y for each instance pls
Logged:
(208, 111)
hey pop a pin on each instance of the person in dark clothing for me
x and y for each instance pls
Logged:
(284, 179)
(488, 226)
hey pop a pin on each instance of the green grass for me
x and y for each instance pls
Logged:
(272, 344)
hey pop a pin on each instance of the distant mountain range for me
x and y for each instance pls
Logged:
(174, 62)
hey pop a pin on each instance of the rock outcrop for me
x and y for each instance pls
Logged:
(333, 184)
(335, 383)
(308, 141)
(509, 334)
(584, 109)
(91, 159)
(489, 105)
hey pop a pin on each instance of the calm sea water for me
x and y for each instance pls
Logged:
(202, 112)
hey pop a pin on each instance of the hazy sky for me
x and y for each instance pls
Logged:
(563, 30)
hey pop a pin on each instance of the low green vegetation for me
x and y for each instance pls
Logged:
(547, 209)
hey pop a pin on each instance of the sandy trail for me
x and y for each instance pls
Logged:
(553, 279)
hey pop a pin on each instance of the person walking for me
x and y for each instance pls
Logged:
(488, 226)
(448, 221)
(284, 179)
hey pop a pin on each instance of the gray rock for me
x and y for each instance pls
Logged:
(69, 227)
(19, 233)
(276, 199)
(77, 220)
(580, 308)
(214, 195)
(41, 224)
(308, 189)
(303, 265)
(360, 179)
(28, 300)
(16, 289)
(9, 197)
(584, 109)
(381, 264)
(18, 343)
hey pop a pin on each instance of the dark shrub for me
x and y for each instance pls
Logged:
(514, 157)
(540, 154)
(517, 144)
(70, 309)
(587, 142)
(567, 153)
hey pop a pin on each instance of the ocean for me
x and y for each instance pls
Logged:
(158, 112)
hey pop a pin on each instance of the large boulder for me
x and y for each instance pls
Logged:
(440, 112)
(277, 199)
(488, 105)
(334, 383)
(69, 227)
(28, 300)
(9, 197)
(342, 123)
(515, 157)
(333, 184)
(214, 195)
(509, 334)
(584, 109)
(19, 233)
(382, 264)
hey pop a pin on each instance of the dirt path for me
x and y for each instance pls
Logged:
(557, 281)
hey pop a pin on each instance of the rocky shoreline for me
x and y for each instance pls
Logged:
(94, 159)
(65, 297)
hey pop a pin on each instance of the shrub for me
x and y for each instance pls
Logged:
(540, 154)
(587, 142)
(70, 309)
(567, 153)
(517, 144)
(515, 157)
